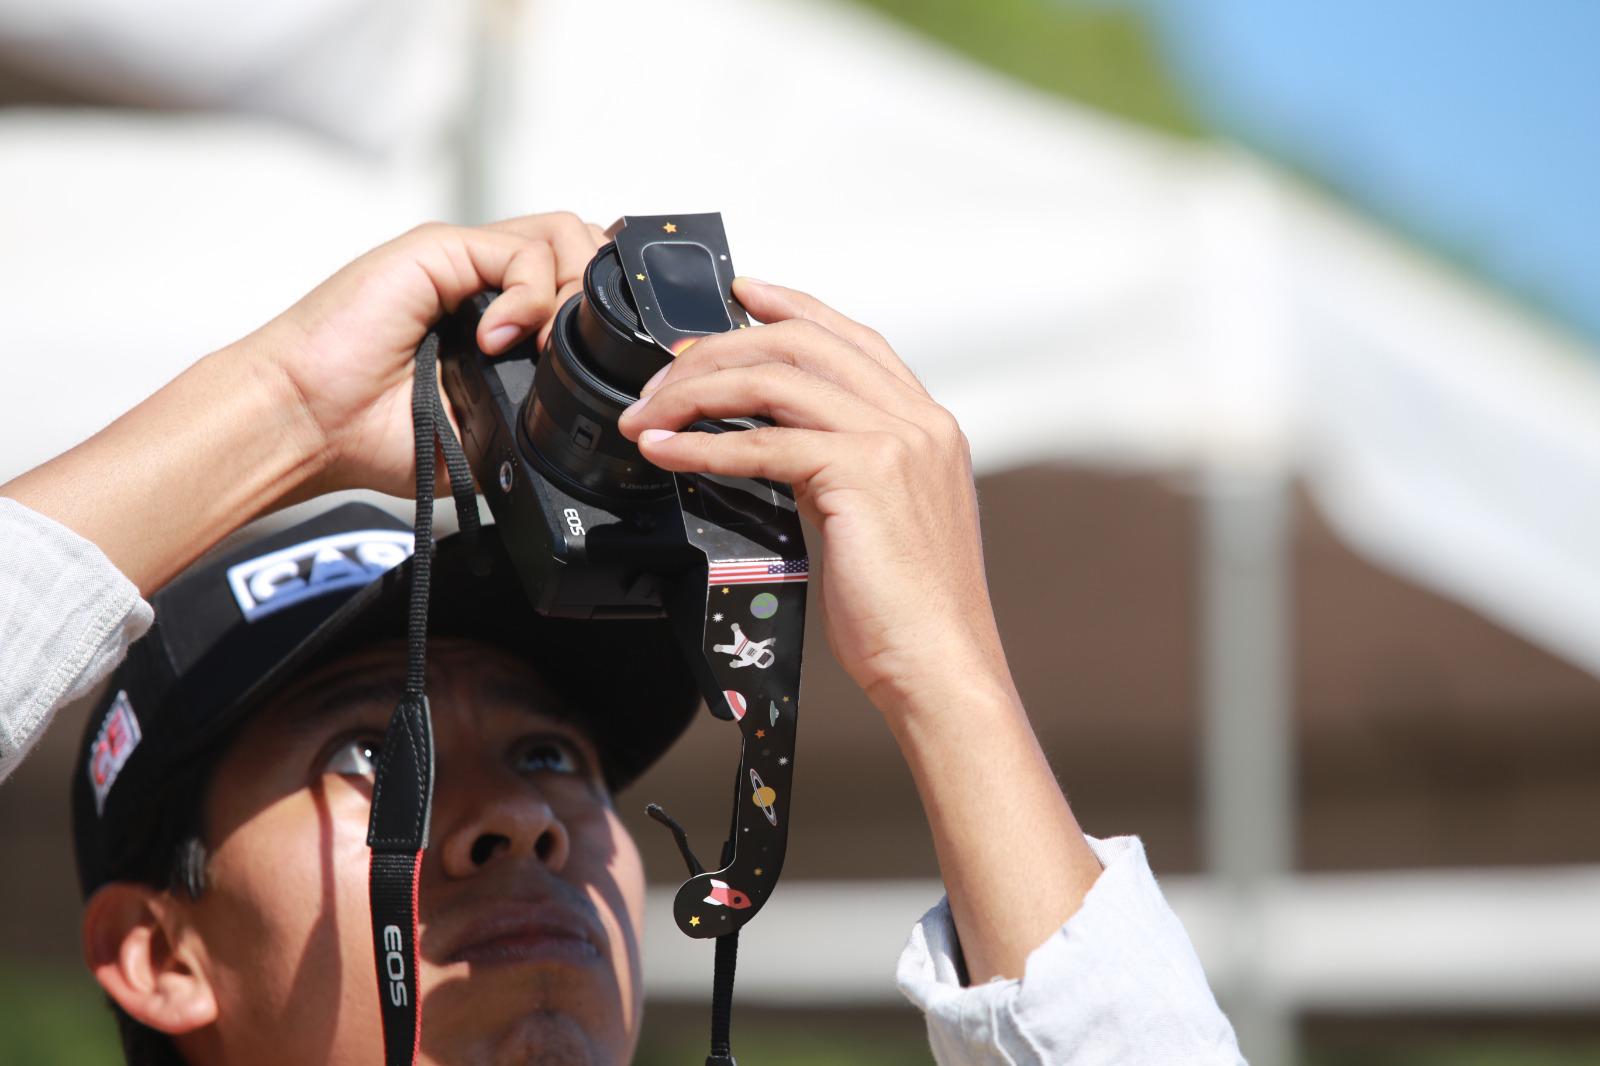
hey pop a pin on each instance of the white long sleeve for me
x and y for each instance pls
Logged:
(1118, 983)
(67, 616)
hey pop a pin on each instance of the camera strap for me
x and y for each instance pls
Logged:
(402, 791)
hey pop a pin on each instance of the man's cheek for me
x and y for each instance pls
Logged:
(302, 857)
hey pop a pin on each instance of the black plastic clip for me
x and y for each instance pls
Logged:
(678, 834)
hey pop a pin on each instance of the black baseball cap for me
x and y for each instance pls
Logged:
(234, 629)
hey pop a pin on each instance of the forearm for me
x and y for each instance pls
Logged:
(221, 443)
(1014, 861)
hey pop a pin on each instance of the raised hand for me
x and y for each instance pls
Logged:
(877, 466)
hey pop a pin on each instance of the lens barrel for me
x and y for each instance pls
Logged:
(592, 368)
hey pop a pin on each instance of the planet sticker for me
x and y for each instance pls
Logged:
(764, 796)
(736, 703)
(764, 605)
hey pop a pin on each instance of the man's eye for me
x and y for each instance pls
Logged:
(356, 757)
(546, 754)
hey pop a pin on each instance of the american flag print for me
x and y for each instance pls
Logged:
(758, 571)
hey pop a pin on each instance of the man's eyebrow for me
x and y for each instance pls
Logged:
(344, 695)
(523, 695)
(528, 696)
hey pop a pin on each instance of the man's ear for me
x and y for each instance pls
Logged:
(147, 959)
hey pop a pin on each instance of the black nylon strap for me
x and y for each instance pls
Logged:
(722, 1000)
(392, 891)
(402, 792)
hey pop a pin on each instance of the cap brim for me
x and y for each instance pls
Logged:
(624, 680)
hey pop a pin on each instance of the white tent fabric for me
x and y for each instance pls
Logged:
(380, 74)
(1075, 289)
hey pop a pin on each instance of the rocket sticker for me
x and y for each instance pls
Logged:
(723, 896)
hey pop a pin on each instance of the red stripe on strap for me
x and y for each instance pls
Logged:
(416, 939)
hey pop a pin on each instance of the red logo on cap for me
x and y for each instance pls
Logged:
(119, 735)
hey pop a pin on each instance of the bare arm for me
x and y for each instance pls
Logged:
(215, 447)
(1014, 862)
(885, 474)
(314, 401)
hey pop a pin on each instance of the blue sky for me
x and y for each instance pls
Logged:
(1473, 125)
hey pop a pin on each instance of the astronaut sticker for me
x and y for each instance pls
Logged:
(747, 652)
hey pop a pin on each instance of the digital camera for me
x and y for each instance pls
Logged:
(595, 531)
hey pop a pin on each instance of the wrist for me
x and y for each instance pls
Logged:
(942, 678)
(285, 414)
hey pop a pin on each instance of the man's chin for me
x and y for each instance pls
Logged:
(523, 1015)
(541, 1038)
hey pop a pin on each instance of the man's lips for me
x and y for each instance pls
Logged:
(536, 932)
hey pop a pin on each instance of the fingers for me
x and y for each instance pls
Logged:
(786, 394)
(793, 456)
(526, 302)
(569, 243)
(805, 346)
(458, 260)
(571, 239)
(774, 303)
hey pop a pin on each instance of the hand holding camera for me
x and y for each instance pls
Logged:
(877, 466)
(343, 353)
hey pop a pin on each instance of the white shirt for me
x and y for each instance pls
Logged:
(1117, 983)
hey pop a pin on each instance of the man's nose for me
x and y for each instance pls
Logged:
(498, 813)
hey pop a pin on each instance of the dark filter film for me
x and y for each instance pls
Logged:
(683, 277)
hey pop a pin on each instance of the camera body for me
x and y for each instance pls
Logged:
(578, 556)
(596, 532)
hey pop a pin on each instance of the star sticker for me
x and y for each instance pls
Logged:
(760, 733)
(670, 228)
(786, 699)
(717, 617)
(758, 871)
(783, 760)
(694, 919)
(724, 591)
(638, 277)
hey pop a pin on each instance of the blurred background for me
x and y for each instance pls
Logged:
(1274, 329)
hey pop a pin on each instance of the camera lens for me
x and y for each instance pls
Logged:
(593, 367)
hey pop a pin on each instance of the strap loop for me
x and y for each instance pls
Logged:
(402, 792)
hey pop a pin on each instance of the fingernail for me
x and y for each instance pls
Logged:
(501, 337)
(650, 436)
(655, 381)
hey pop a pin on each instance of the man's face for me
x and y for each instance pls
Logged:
(532, 892)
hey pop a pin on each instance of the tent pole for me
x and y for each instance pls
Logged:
(491, 67)
(1247, 769)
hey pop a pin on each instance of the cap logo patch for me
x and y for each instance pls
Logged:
(315, 568)
(119, 735)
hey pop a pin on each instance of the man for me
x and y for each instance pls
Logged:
(226, 970)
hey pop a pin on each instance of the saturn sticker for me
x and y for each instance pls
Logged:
(764, 796)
